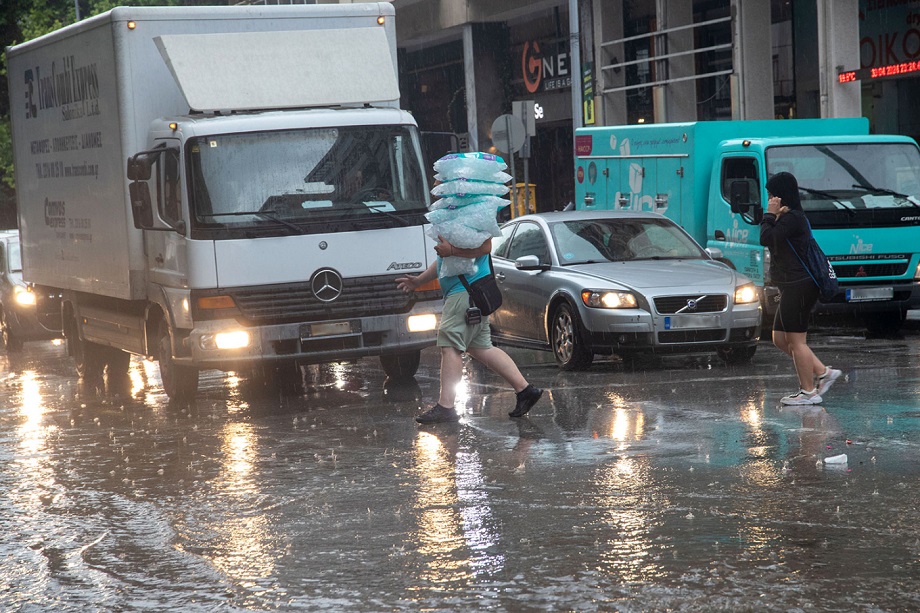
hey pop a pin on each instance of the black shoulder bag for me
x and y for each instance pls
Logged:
(818, 267)
(484, 292)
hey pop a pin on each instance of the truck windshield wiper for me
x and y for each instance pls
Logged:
(886, 192)
(376, 208)
(835, 199)
(262, 214)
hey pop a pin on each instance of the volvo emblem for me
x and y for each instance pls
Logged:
(326, 285)
(691, 304)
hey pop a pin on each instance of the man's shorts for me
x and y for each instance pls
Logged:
(455, 332)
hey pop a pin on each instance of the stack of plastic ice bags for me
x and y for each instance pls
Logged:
(469, 198)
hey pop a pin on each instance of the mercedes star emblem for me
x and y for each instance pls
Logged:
(326, 285)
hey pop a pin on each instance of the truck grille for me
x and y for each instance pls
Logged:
(895, 269)
(360, 297)
(707, 304)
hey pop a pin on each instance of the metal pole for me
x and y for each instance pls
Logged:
(576, 70)
(511, 165)
(76, 8)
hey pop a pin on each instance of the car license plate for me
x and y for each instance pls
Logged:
(684, 322)
(328, 329)
(869, 294)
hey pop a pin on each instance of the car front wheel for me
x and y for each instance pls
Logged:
(568, 346)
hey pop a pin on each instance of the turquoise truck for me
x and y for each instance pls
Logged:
(860, 191)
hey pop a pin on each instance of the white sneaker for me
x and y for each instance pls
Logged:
(802, 397)
(826, 380)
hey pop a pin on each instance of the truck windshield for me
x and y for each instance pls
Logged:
(856, 184)
(306, 181)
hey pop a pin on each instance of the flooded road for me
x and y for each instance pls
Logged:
(681, 487)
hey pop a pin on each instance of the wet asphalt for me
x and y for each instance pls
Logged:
(680, 486)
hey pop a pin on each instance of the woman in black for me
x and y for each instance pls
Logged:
(784, 228)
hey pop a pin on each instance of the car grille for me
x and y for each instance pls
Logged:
(691, 336)
(895, 269)
(360, 297)
(707, 304)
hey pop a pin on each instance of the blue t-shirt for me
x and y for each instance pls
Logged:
(452, 285)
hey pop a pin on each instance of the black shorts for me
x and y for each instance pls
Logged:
(796, 301)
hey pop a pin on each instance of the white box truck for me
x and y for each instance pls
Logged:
(223, 188)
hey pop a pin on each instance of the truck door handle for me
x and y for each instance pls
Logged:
(589, 200)
(623, 201)
(661, 201)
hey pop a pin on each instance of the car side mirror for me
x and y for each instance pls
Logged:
(529, 262)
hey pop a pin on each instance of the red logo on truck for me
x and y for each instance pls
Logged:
(583, 144)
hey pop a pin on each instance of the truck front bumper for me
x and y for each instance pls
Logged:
(877, 298)
(309, 343)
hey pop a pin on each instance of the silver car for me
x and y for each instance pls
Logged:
(633, 284)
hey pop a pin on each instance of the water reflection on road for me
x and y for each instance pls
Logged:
(682, 487)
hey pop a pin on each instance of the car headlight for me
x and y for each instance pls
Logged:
(608, 300)
(746, 294)
(23, 296)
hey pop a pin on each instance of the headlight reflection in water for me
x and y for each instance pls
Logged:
(456, 526)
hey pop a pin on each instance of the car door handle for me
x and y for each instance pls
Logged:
(500, 276)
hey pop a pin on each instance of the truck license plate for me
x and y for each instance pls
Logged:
(328, 329)
(684, 322)
(869, 294)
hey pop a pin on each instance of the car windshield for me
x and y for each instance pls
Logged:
(15, 257)
(301, 181)
(622, 240)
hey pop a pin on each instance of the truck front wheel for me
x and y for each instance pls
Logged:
(179, 382)
(886, 324)
(400, 366)
(88, 357)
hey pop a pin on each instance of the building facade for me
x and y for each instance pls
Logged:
(463, 63)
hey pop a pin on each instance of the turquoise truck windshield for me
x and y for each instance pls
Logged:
(864, 184)
(306, 181)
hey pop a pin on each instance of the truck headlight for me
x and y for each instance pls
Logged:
(23, 296)
(608, 300)
(422, 323)
(238, 339)
(745, 294)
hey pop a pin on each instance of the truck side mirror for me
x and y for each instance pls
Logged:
(739, 196)
(739, 193)
(141, 207)
(140, 165)
(139, 172)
